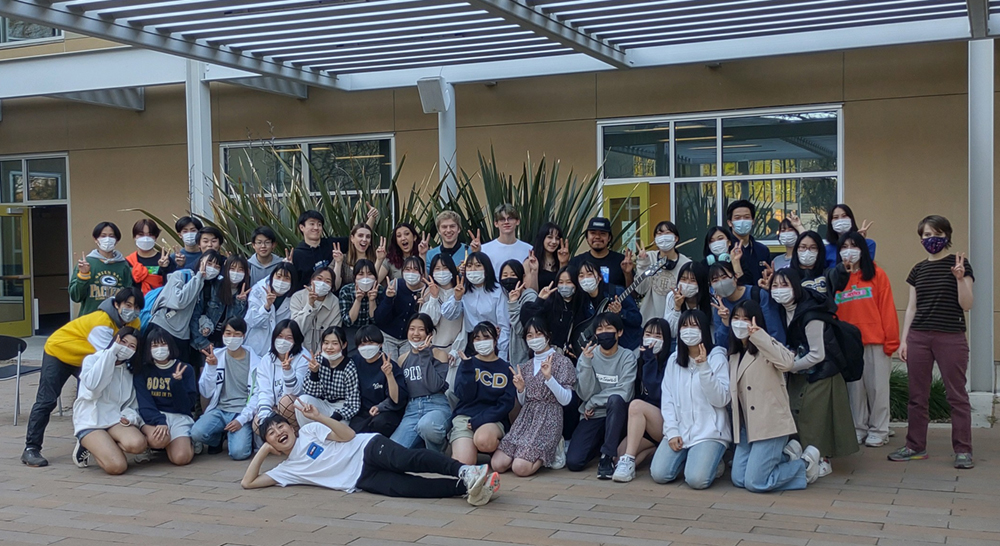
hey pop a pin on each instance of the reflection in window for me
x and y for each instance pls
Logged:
(46, 180)
(695, 148)
(780, 144)
(637, 151)
(12, 30)
(809, 197)
(696, 212)
(341, 165)
(627, 213)
(263, 169)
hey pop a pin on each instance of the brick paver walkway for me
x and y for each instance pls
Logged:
(867, 500)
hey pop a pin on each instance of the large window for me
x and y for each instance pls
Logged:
(46, 180)
(14, 31)
(783, 161)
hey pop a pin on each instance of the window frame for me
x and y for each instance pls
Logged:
(5, 43)
(24, 159)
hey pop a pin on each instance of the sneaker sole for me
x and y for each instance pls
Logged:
(905, 459)
(622, 479)
(26, 463)
(491, 484)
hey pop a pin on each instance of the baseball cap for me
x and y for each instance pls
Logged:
(599, 224)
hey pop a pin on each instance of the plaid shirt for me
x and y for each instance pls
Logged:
(334, 385)
(347, 301)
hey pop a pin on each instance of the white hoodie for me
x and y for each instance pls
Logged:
(260, 321)
(694, 399)
(270, 382)
(214, 377)
(105, 395)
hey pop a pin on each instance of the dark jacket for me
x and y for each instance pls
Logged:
(374, 391)
(813, 306)
(393, 313)
(632, 336)
(651, 377)
(210, 305)
(561, 317)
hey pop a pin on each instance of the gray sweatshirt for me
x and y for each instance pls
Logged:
(518, 349)
(599, 377)
(258, 271)
(175, 303)
(425, 375)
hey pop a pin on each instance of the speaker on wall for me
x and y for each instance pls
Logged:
(435, 95)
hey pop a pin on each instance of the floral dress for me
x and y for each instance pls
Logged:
(536, 432)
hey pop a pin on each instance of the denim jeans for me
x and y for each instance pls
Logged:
(427, 418)
(699, 462)
(209, 427)
(761, 466)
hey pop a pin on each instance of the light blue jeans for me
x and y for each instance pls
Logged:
(209, 427)
(761, 466)
(427, 418)
(699, 461)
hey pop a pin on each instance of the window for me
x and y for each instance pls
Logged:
(46, 180)
(786, 160)
(14, 31)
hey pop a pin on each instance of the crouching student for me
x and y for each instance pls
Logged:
(166, 390)
(695, 393)
(281, 373)
(605, 382)
(106, 413)
(425, 368)
(485, 395)
(332, 383)
(225, 382)
(327, 453)
(381, 385)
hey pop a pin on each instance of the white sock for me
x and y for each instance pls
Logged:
(626, 457)
(466, 468)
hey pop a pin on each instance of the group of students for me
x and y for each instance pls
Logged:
(365, 363)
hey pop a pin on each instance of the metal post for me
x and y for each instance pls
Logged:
(448, 147)
(199, 139)
(981, 214)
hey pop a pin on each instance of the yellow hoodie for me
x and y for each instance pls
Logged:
(86, 335)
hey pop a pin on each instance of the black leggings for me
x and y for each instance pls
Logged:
(384, 423)
(387, 465)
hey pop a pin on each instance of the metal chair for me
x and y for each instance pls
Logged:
(12, 348)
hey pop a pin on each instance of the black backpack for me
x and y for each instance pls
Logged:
(846, 349)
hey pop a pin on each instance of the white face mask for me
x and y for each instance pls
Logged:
(718, 247)
(808, 257)
(476, 277)
(282, 346)
(443, 277)
(690, 336)
(330, 357)
(566, 290)
(124, 352)
(653, 343)
(850, 255)
(232, 343)
(787, 238)
(665, 242)
(416, 344)
(365, 283)
(687, 290)
(160, 353)
(279, 286)
(782, 295)
(411, 278)
(107, 244)
(369, 351)
(144, 243)
(236, 277)
(741, 329)
(841, 225)
(212, 272)
(321, 288)
(588, 284)
(538, 343)
(483, 346)
(189, 238)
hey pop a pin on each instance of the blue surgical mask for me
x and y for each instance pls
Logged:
(742, 227)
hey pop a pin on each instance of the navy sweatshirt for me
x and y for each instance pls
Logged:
(374, 391)
(652, 378)
(393, 314)
(158, 392)
(485, 391)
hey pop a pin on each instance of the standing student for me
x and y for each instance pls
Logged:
(399, 304)
(753, 256)
(692, 292)
(549, 255)
(809, 262)
(314, 251)
(719, 242)
(382, 385)
(787, 235)
(595, 292)
(506, 246)
(166, 389)
(449, 334)
(102, 273)
(360, 247)
(403, 244)
(613, 267)
(63, 355)
(934, 330)
(728, 293)
(280, 374)
(226, 382)
(264, 260)
(840, 220)
(316, 308)
(106, 413)
(210, 238)
(605, 383)
(149, 266)
(478, 298)
(223, 297)
(267, 305)
(655, 289)
(560, 306)
(449, 228)
(187, 227)
(428, 414)
(359, 299)
(332, 383)
(516, 293)
(175, 304)
(866, 302)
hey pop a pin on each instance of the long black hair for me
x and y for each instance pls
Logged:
(752, 311)
(711, 232)
(227, 290)
(297, 337)
(831, 235)
(704, 324)
(817, 268)
(866, 263)
(490, 282)
(700, 273)
(447, 262)
(539, 247)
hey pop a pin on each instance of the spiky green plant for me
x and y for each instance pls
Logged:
(899, 397)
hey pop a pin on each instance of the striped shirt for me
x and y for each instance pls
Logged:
(938, 309)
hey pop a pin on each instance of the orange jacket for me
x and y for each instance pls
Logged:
(869, 306)
(142, 276)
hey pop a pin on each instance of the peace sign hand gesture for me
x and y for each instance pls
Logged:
(244, 293)
(390, 291)
(958, 270)
(721, 309)
(642, 254)
(288, 254)
(380, 251)
(702, 357)
(736, 253)
(517, 378)
(372, 212)
(386, 365)
(865, 226)
(425, 245)
(476, 245)
(313, 296)
(83, 266)
(515, 294)
(765, 280)
(209, 353)
(179, 258)
(546, 367)
(313, 364)
(753, 326)
(531, 263)
(588, 351)
(793, 217)
(547, 291)
(164, 260)
(179, 371)
(286, 363)
(338, 256)
(269, 300)
(563, 253)
(432, 287)
(460, 289)
(628, 265)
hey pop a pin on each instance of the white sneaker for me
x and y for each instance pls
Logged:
(144, 457)
(198, 447)
(625, 471)
(474, 477)
(875, 441)
(490, 486)
(793, 449)
(825, 468)
(812, 458)
(80, 455)
(892, 432)
(560, 460)
(720, 470)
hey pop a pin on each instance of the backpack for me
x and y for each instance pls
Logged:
(149, 304)
(846, 349)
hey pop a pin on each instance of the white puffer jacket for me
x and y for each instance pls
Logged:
(106, 393)
(693, 400)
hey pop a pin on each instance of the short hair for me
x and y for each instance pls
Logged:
(485, 328)
(238, 324)
(368, 334)
(287, 268)
(608, 318)
(416, 261)
(157, 334)
(185, 221)
(143, 223)
(507, 210)
(213, 231)
(720, 268)
(212, 255)
(539, 325)
(265, 231)
(336, 331)
(937, 223)
(516, 266)
(670, 226)
(100, 227)
(297, 337)
(425, 319)
(316, 273)
(364, 264)
(741, 203)
(127, 292)
(271, 420)
(311, 215)
(447, 215)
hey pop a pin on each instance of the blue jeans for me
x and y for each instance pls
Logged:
(209, 427)
(761, 466)
(427, 418)
(699, 461)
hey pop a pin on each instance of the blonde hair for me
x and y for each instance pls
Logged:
(448, 215)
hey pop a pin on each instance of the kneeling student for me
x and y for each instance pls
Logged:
(327, 453)
(332, 383)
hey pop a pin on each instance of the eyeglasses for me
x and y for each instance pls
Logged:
(506, 219)
(262, 243)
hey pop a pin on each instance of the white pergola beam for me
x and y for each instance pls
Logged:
(198, 100)
(531, 19)
(979, 17)
(274, 85)
(127, 98)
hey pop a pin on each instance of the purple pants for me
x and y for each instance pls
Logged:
(951, 352)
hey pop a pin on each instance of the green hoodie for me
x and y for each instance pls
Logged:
(107, 277)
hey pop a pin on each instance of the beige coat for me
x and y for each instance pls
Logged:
(313, 319)
(757, 384)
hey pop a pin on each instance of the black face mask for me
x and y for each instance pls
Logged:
(508, 284)
(606, 340)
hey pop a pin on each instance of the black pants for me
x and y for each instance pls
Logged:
(571, 417)
(599, 435)
(384, 423)
(387, 466)
(51, 380)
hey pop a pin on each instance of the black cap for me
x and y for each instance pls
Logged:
(599, 224)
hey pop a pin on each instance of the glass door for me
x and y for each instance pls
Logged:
(15, 273)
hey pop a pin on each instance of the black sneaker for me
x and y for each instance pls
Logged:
(80, 455)
(33, 457)
(215, 450)
(606, 468)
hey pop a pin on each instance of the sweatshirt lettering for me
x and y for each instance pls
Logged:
(607, 379)
(491, 380)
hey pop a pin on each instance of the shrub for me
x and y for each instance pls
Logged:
(899, 396)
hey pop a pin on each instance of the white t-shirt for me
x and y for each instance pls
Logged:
(500, 253)
(314, 460)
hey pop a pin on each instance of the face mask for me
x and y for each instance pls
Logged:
(160, 354)
(665, 242)
(537, 344)
(107, 244)
(232, 343)
(411, 278)
(690, 336)
(282, 346)
(808, 257)
(365, 283)
(654, 344)
(724, 288)
(741, 329)
(842, 225)
(588, 284)
(718, 247)
(144, 243)
(189, 238)
(368, 352)
(566, 290)
(483, 346)
(124, 352)
(782, 295)
(236, 277)
(212, 273)
(416, 344)
(280, 287)
(687, 290)
(787, 238)
(850, 255)
(321, 288)
(330, 357)
(508, 284)
(933, 245)
(606, 340)
(127, 314)
(742, 227)
(442, 277)
(476, 277)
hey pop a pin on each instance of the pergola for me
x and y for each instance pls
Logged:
(286, 46)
